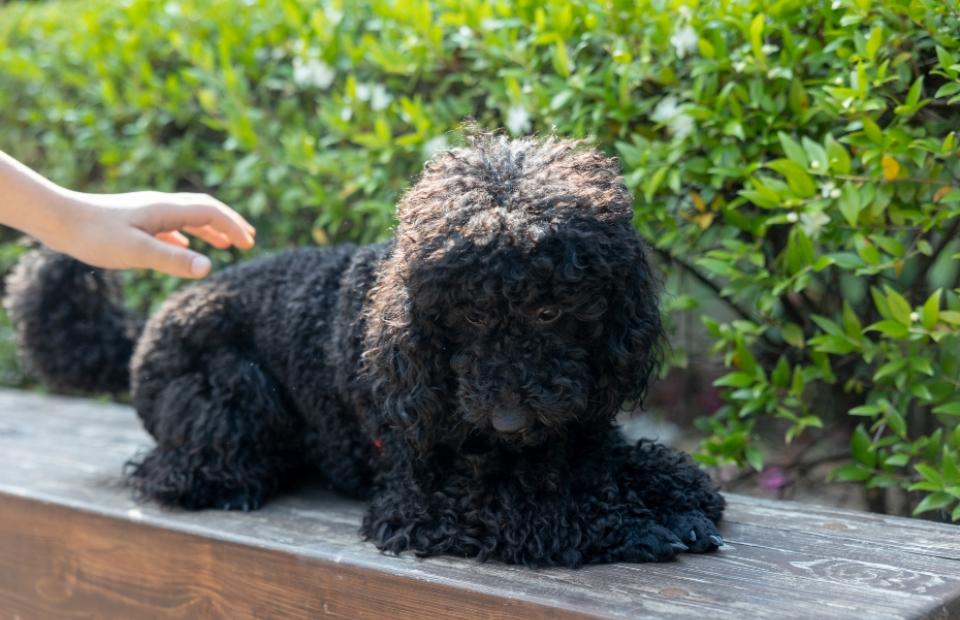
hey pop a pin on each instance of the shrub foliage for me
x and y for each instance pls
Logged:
(797, 158)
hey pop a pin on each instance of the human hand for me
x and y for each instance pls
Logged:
(143, 230)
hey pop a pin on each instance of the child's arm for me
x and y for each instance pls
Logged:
(117, 231)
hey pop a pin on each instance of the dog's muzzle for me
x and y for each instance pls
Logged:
(509, 421)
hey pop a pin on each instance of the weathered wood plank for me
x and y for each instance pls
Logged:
(889, 532)
(62, 563)
(72, 539)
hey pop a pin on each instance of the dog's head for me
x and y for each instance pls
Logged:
(517, 300)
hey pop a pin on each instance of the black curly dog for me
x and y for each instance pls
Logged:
(464, 377)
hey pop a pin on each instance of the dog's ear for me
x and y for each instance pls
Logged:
(634, 333)
(402, 361)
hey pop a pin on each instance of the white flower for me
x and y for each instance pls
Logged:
(380, 98)
(463, 36)
(769, 48)
(835, 193)
(780, 72)
(792, 217)
(826, 190)
(518, 120)
(435, 145)
(681, 126)
(668, 112)
(312, 73)
(665, 110)
(739, 66)
(346, 114)
(812, 223)
(333, 16)
(836, 5)
(363, 91)
(684, 41)
(684, 11)
(914, 316)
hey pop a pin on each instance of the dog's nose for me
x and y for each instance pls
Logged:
(509, 421)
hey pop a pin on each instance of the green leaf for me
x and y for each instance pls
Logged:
(892, 367)
(896, 422)
(827, 325)
(860, 447)
(792, 149)
(735, 379)
(951, 408)
(561, 60)
(793, 334)
(921, 392)
(947, 90)
(893, 329)
(653, 183)
(921, 364)
(754, 458)
(851, 324)
(897, 460)
(865, 410)
(950, 316)
(913, 97)
(850, 203)
(948, 464)
(872, 130)
(747, 362)
(899, 307)
(837, 156)
(819, 161)
(929, 473)
(874, 41)
(931, 311)
(946, 59)
(798, 100)
(798, 179)
(934, 501)
(781, 373)
(852, 473)
(880, 302)
(756, 38)
(869, 253)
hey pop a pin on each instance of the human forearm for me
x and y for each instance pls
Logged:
(117, 231)
(29, 202)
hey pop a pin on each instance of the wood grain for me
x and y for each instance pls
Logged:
(73, 544)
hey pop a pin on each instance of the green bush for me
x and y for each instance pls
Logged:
(797, 158)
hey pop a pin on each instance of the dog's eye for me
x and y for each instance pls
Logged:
(476, 318)
(547, 315)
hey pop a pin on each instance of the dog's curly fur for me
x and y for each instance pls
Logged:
(463, 377)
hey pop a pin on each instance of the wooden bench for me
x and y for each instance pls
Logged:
(74, 544)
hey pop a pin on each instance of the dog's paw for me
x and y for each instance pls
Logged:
(695, 530)
(242, 503)
(644, 541)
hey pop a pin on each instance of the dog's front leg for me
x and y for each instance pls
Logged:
(678, 494)
(527, 512)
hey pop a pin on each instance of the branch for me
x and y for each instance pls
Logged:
(713, 286)
(865, 179)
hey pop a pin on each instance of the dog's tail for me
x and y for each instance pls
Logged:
(71, 329)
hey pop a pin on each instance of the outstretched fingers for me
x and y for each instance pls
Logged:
(201, 215)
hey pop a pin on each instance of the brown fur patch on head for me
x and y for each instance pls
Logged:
(495, 187)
